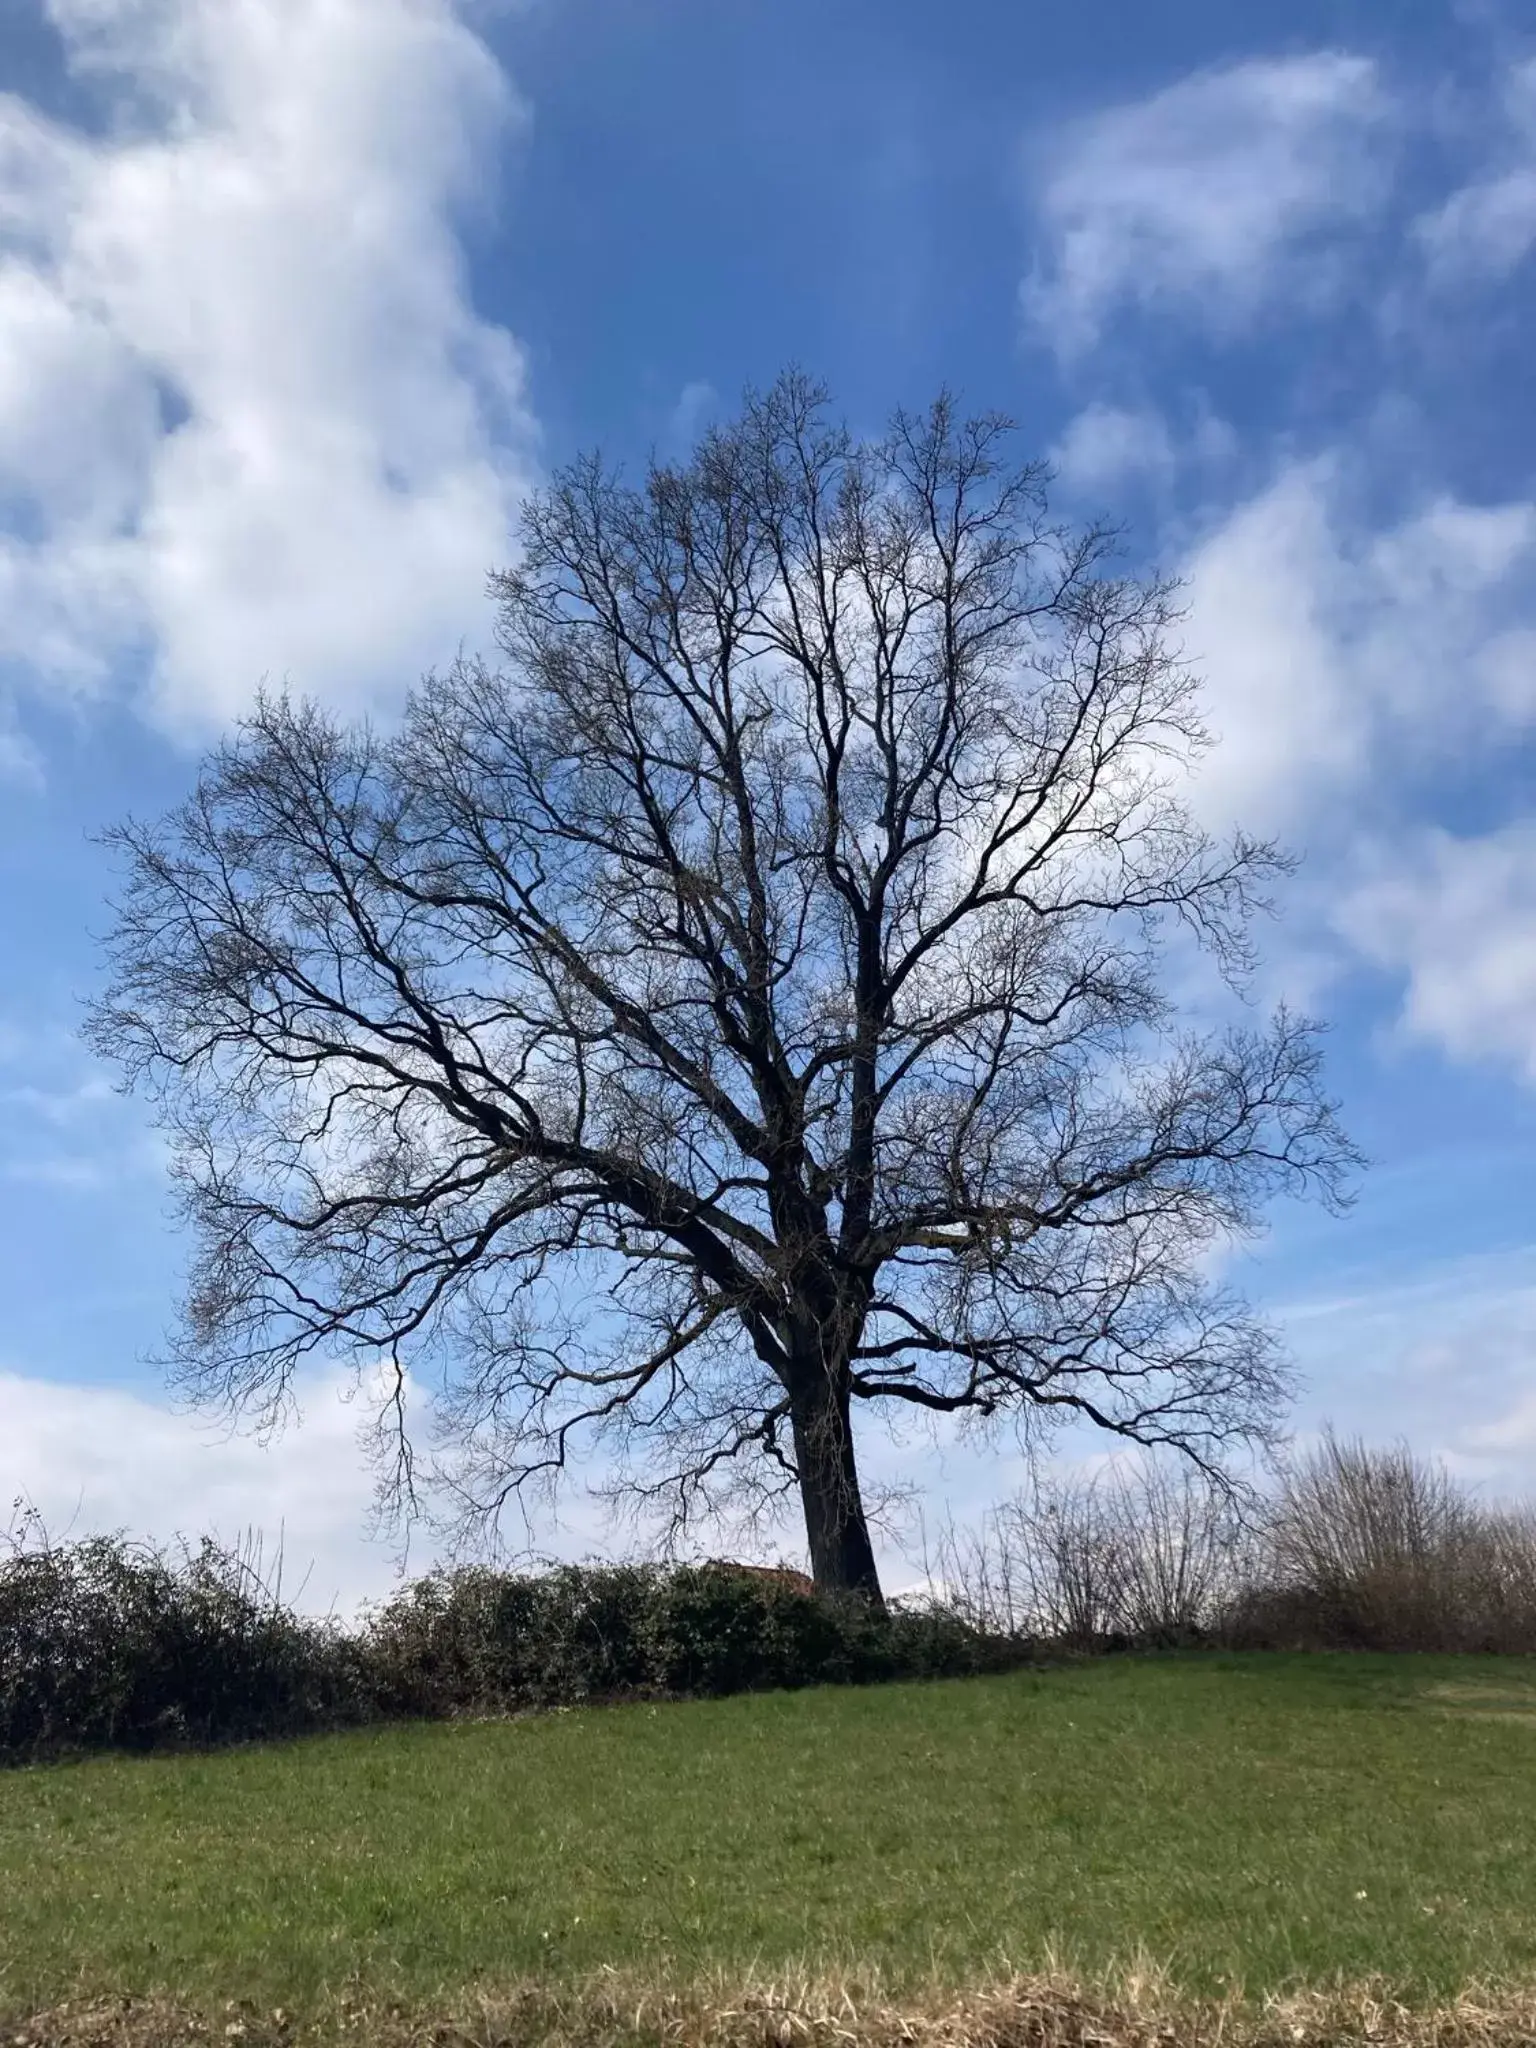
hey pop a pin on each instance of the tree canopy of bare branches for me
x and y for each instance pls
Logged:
(743, 1004)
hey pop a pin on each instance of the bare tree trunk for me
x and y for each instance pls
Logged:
(842, 1557)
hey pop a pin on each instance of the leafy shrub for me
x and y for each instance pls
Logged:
(712, 1630)
(106, 1643)
(475, 1640)
(109, 1643)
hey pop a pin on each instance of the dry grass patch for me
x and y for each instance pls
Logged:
(1135, 2009)
(1484, 1699)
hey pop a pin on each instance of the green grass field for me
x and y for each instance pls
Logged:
(1257, 1822)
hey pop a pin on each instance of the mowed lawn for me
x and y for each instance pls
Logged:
(1252, 1821)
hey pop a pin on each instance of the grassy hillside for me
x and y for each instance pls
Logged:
(1257, 1821)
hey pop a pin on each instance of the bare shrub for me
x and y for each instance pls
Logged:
(1137, 1553)
(1355, 1548)
(1503, 1578)
(1185, 1546)
(1368, 1548)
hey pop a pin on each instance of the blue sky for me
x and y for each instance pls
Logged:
(297, 297)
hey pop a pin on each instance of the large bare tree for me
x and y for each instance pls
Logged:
(743, 1005)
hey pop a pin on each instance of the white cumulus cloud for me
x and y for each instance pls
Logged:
(1344, 658)
(1199, 198)
(250, 422)
(94, 1459)
(1455, 918)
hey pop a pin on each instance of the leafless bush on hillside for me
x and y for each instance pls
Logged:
(1347, 1512)
(1379, 1549)
(1140, 1552)
(1355, 1548)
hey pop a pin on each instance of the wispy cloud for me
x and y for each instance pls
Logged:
(697, 404)
(249, 420)
(1198, 199)
(1488, 227)
(63, 1125)
(1106, 446)
(1429, 1357)
(60, 1106)
(1455, 919)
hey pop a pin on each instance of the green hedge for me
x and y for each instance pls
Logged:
(482, 1640)
(107, 1644)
